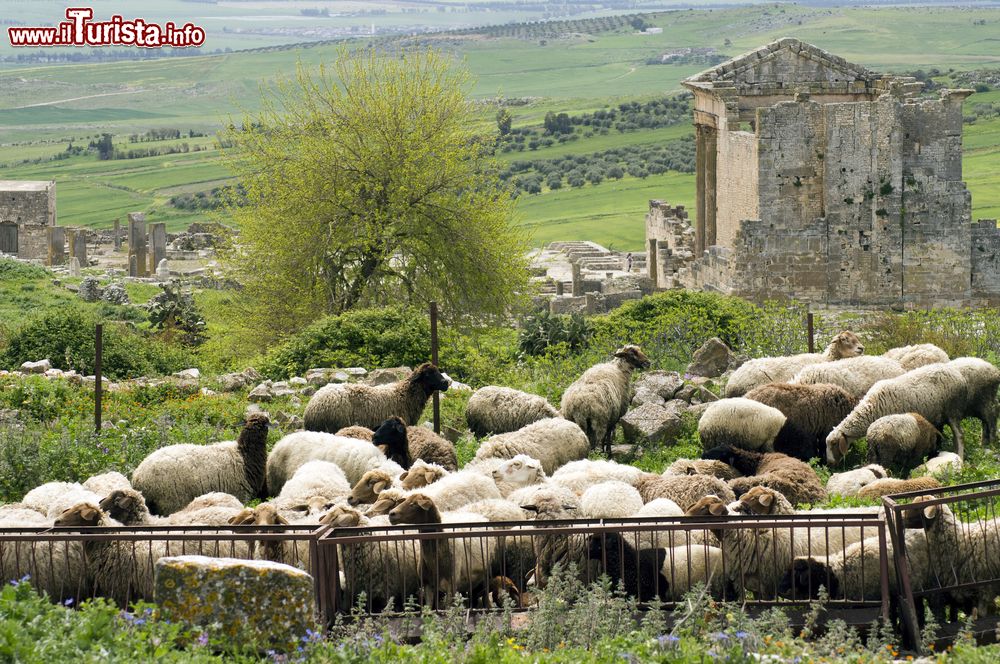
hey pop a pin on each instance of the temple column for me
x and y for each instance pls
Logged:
(699, 170)
(711, 158)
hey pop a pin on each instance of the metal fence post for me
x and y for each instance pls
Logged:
(809, 331)
(98, 351)
(434, 359)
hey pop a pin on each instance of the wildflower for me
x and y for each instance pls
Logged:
(203, 639)
(68, 601)
(741, 635)
(667, 640)
(720, 636)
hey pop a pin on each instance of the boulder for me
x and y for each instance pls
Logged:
(324, 375)
(711, 360)
(297, 382)
(115, 294)
(237, 601)
(261, 393)
(389, 375)
(662, 383)
(651, 423)
(190, 374)
(38, 367)
(232, 382)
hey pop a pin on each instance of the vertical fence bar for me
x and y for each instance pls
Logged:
(434, 359)
(809, 331)
(98, 351)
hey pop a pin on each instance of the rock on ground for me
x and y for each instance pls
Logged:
(711, 360)
(237, 600)
(652, 423)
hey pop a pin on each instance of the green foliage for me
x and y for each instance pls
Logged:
(16, 270)
(959, 332)
(382, 189)
(66, 338)
(174, 312)
(389, 337)
(543, 330)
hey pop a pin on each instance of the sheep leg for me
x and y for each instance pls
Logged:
(956, 431)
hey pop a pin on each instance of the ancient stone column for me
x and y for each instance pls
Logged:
(559, 287)
(651, 261)
(699, 186)
(57, 245)
(138, 262)
(711, 158)
(118, 235)
(577, 281)
(79, 247)
(158, 245)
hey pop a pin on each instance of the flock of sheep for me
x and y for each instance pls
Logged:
(362, 462)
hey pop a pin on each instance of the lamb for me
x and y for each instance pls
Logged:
(702, 467)
(338, 405)
(449, 493)
(914, 357)
(128, 507)
(425, 445)
(782, 369)
(685, 490)
(855, 375)
(601, 396)
(755, 557)
(901, 441)
(494, 410)
(105, 483)
(355, 457)
(890, 485)
(849, 483)
(982, 379)
(173, 476)
(579, 475)
(552, 441)
(370, 485)
(52, 498)
(420, 474)
(812, 409)
(518, 472)
(944, 463)
(938, 392)
(792, 478)
(748, 424)
(316, 478)
(450, 565)
(610, 500)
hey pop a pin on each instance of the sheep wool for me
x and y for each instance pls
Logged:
(361, 433)
(420, 474)
(580, 475)
(105, 483)
(517, 473)
(51, 498)
(782, 369)
(554, 442)
(316, 478)
(849, 483)
(173, 476)
(746, 423)
(702, 467)
(914, 357)
(58, 568)
(339, 405)
(793, 478)
(939, 392)
(685, 490)
(355, 457)
(891, 485)
(599, 398)
(610, 500)
(855, 375)
(945, 463)
(811, 410)
(982, 380)
(493, 410)
(901, 441)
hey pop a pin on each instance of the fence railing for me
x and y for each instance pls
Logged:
(946, 552)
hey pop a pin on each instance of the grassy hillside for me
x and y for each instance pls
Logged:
(582, 71)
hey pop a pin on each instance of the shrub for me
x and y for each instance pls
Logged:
(175, 314)
(544, 329)
(15, 270)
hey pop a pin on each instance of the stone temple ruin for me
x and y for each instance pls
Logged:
(584, 277)
(820, 180)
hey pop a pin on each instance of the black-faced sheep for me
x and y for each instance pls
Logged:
(793, 478)
(748, 424)
(173, 476)
(855, 375)
(493, 410)
(553, 441)
(421, 443)
(782, 369)
(901, 441)
(339, 405)
(810, 409)
(601, 396)
(914, 357)
(939, 392)
(638, 572)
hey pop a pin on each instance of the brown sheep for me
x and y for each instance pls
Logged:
(355, 431)
(890, 485)
(791, 477)
(901, 441)
(685, 490)
(814, 409)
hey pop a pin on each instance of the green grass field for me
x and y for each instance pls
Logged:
(575, 74)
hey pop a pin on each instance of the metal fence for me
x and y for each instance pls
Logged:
(946, 552)
(739, 558)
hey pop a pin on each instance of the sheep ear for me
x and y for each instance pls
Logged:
(404, 475)
(89, 513)
(845, 447)
(717, 509)
(122, 501)
(766, 499)
(931, 512)
(531, 508)
(569, 507)
(278, 519)
(244, 518)
(380, 486)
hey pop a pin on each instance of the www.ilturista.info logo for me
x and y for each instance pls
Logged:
(79, 30)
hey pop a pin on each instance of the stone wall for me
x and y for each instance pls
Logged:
(28, 202)
(986, 259)
(33, 242)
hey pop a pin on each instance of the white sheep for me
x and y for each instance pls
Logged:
(601, 396)
(939, 392)
(105, 483)
(660, 507)
(702, 467)
(449, 493)
(493, 409)
(578, 476)
(554, 441)
(316, 478)
(855, 375)
(355, 457)
(373, 483)
(744, 423)
(901, 441)
(52, 498)
(55, 567)
(685, 490)
(761, 371)
(527, 495)
(610, 500)
(850, 482)
(914, 357)
(945, 463)
(518, 472)
(173, 476)
(982, 379)
(340, 405)
(212, 509)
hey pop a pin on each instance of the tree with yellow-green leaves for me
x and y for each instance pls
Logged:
(371, 182)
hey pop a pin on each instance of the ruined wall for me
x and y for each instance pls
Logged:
(986, 259)
(28, 203)
(737, 180)
(32, 242)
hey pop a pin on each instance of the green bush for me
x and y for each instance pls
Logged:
(17, 271)
(66, 338)
(543, 329)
